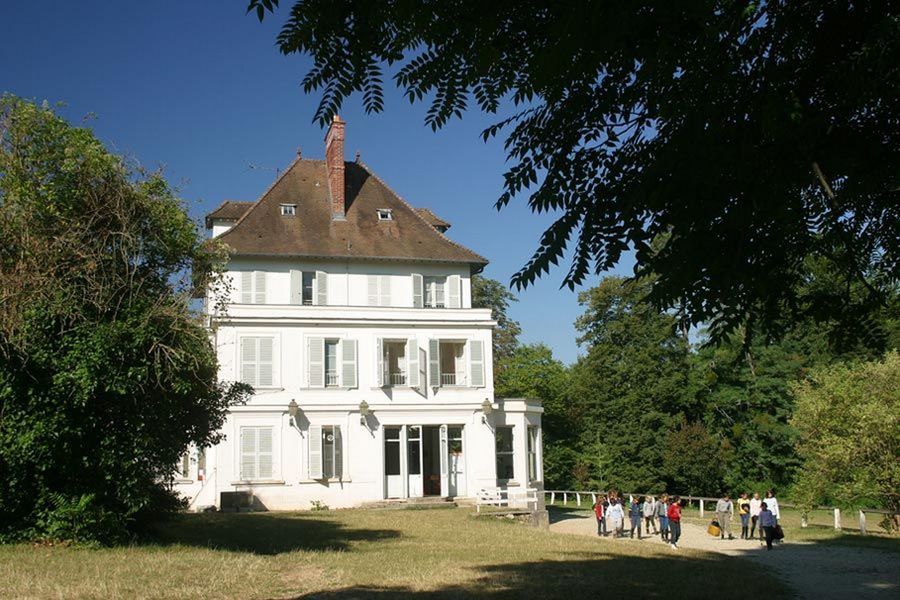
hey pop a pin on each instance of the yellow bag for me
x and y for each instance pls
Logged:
(714, 530)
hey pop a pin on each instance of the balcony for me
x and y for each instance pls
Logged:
(448, 379)
(332, 379)
(396, 379)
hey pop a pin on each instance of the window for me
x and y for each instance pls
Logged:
(434, 291)
(257, 361)
(307, 290)
(453, 369)
(391, 450)
(414, 449)
(288, 210)
(332, 459)
(332, 378)
(532, 453)
(504, 440)
(385, 214)
(379, 290)
(256, 453)
(395, 363)
(185, 470)
(253, 287)
(454, 435)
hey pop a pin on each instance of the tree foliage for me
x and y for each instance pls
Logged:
(848, 416)
(106, 376)
(490, 293)
(752, 135)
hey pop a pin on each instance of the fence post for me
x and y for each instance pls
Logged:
(701, 508)
(804, 521)
(837, 519)
(862, 523)
(565, 498)
(593, 498)
(552, 498)
(577, 499)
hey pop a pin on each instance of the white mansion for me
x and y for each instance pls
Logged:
(351, 317)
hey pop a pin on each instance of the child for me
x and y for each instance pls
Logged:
(767, 524)
(636, 512)
(598, 512)
(616, 517)
(674, 514)
(755, 507)
(744, 512)
(650, 514)
(662, 511)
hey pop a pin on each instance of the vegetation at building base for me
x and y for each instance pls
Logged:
(106, 375)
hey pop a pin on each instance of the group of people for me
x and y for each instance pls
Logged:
(663, 515)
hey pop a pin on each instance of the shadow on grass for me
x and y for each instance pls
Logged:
(265, 533)
(587, 575)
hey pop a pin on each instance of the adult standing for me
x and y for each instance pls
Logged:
(755, 507)
(662, 511)
(767, 524)
(616, 516)
(724, 512)
(635, 511)
(772, 503)
(650, 514)
(674, 514)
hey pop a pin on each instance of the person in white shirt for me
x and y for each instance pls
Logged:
(650, 514)
(772, 503)
(755, 508)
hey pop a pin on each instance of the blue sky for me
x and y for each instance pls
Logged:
(199, 89)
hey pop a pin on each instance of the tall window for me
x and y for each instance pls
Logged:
(453, 365)
(532, 453)
(257, 359)
(414, 449)
(256, 453)
(332, 458)
(391, 450)
(253, 287)
(332, 378)
(504, 441)
(395, 363)
(434, 291)
(307, 290)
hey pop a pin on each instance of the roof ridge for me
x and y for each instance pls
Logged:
(413, 210)
(262, 197)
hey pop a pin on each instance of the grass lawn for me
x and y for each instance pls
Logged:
(372, 553)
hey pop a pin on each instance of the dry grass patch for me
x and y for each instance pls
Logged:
(358, 553)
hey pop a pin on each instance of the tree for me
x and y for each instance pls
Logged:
(628, 392)
(752, 135)
(848, 416)
(694, 461)
(490, 293)
(106, 376)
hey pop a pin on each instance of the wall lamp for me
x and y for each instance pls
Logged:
(486, 409)
(293, 410)
(364, 412)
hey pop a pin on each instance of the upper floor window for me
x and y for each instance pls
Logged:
(456, 363)
(309, 279)
(395, 363)
(385, 214)
(434, 291)
(288, 210)
(309, 287)
(257, 361)
(253, 287)
(437, 291)
(332, 376)
(379, 288)
(331, 363)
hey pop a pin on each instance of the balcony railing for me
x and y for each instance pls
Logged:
(397, 378)
(448, 379)
(332, 379)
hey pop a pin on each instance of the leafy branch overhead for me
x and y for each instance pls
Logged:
(751, 136)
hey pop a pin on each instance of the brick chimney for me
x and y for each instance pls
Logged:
(334, 164)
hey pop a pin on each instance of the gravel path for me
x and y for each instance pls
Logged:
(814, 571)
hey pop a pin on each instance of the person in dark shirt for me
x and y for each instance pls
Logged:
(767, 522)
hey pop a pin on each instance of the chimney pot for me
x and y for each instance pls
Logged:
(334, 165)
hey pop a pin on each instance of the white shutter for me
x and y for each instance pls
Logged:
(321, 288)
(265, 362)
(434, 363)
(423, 372)
(412, 363)
(315, 452)
(453, 291)
(348, 363)
(379, 363)
(338, 453)
(264, 453)
(476, 363)
(248, 360)
(296, 287)
(259, 293)
(384, 295)
(316, 362)
(417, 291)
(246, 287)
(248, 453)
(372, 282)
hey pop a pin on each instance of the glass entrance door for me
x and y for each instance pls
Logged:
(414, 460)
(392, 473)
(457, 461)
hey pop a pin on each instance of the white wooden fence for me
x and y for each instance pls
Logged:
(526, 498)
(551, 496)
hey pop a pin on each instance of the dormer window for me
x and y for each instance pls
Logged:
(385, 214)
(288, 210)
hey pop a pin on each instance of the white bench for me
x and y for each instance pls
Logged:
(512, 498)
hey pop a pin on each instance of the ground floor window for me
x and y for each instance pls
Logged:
(414, 450)
(504, 451)
(391, 450)
(332, 459)
(256, 453)
(532, 453)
